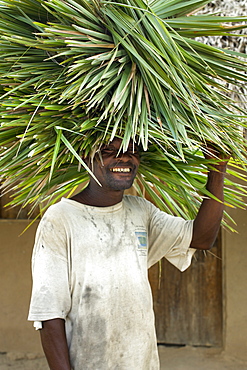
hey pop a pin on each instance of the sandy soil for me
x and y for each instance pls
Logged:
(172, 358)
(20, 361)
(197, 358)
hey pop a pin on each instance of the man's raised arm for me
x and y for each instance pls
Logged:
(208, 219)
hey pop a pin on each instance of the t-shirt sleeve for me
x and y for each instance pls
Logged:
(169, 237)
(50, 297)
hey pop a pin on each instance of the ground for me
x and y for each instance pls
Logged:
(197, 358)
(172, 358)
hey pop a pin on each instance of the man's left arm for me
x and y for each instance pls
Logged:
(208, 219)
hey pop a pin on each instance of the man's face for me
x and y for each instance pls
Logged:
(116, 170)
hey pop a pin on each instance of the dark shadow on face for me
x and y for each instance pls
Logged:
(115, 169)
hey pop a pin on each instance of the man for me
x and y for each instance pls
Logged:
(91, 297)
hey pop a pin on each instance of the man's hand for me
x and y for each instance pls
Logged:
(213, 154)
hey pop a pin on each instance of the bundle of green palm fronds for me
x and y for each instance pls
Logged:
(76, 73)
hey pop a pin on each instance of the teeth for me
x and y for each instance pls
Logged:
(120, 169)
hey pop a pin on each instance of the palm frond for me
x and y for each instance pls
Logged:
(76, 73)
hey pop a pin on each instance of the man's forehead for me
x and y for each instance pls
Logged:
(117, 143)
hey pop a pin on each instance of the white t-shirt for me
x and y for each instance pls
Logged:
(90, 268)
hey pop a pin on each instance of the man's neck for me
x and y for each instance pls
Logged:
(98, 197)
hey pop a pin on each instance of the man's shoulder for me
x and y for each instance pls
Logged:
(137, 201)
(56, 210)
(145, 206)
(56, 207)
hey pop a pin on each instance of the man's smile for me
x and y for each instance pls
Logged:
(121, 169)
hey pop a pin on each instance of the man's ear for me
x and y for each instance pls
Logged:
(86, 160)
(89, 160)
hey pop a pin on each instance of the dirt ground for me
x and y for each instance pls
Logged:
(197, 358)
(172, 358)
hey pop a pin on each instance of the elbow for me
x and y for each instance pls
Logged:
(205, 243)
(204, 239)
(202, 246)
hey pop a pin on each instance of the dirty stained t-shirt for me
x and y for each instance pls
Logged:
(90, 269)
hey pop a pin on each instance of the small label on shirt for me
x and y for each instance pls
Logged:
(142, 242)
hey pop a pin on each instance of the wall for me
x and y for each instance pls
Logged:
(235, 275)
(16, 334)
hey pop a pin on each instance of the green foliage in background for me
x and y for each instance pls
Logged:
(76, 73)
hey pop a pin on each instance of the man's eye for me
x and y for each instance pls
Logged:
(133, 152)
(107, 151)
